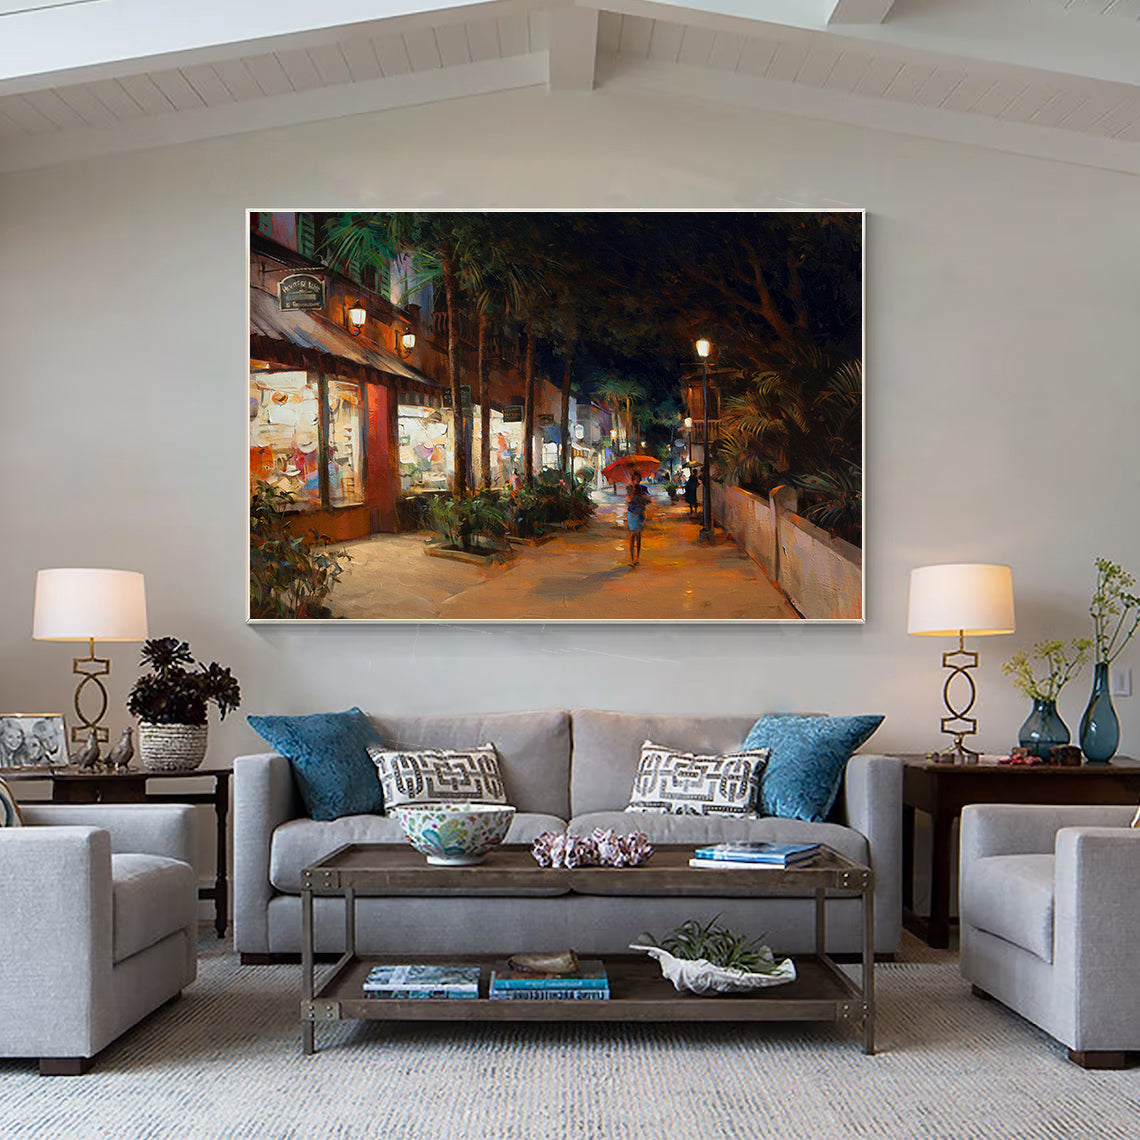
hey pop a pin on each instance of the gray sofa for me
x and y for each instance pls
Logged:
(1050, 924)
(98, 925)
(561, 769)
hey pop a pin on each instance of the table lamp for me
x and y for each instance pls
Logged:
(959, 600)
(90, 605)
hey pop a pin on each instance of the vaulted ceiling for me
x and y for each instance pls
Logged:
(1054, 78)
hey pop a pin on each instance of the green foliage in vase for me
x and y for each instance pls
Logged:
(290, 575)
(1061, 660)
(171, 693)
(1115, 610)
(716, 944)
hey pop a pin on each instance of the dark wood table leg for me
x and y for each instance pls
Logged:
(908, 857)
(938, 930)
(221, 881)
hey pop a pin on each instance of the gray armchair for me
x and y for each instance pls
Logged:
(1049, 921)
(100, 921)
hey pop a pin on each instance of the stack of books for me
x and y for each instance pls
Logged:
(757, 854)
(413, 981)
(588, 983)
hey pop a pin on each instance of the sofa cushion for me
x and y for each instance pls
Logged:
(301, 842)
(809, 755)
(687, 783)
(432, 775)
(152, 897)
(701, 830)
(533, 748)
(1011, 896)
(607, 750)
(328, 754)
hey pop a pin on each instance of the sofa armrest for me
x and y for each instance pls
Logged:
(264, 798)
(143, 829)
(1027, 829)
(872, 801)
(1096, 930)
(55, 896)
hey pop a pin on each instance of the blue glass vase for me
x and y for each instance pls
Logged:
(1100, 730)
(1043, 729)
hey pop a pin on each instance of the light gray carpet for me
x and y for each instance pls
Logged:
(225, 1061)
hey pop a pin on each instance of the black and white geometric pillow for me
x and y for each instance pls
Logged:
(684, 783)
(434, 775)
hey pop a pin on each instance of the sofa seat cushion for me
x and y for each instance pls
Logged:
(1011, 896)
(701, 830)
(301, 842)
(152, 897)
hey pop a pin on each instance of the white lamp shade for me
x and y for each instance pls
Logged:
(972, 598)
(80, 605)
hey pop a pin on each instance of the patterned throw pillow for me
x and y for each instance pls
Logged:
(9, 809)
(684, 783)
(435, 775)
(327, 754)
(809, 757)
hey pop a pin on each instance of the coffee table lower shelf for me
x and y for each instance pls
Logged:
(821, 992)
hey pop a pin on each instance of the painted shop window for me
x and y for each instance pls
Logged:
(426, 457)
(346, 458)
(284, 437)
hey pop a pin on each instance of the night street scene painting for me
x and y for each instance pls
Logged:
(487, 416)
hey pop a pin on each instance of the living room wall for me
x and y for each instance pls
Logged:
(1001, 401)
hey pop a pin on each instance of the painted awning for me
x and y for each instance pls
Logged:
(301, 339)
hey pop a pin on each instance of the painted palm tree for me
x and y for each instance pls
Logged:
(618, 393)
(439, 242)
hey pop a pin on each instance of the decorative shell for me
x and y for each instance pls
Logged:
(559, 962)
(598, 849)
(697, 976)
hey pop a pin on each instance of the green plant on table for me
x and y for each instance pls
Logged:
(1115, 610)
(716, 944)
(1061, 662)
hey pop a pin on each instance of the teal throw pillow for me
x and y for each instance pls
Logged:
(329, 755)
(809, 755)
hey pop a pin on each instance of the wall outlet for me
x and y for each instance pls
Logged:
(1120, 681)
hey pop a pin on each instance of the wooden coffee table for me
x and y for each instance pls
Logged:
(821, 991)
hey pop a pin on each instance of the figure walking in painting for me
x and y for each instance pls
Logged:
(691, 485)
(637, 499)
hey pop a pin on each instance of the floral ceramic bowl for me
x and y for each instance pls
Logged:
(454, 835)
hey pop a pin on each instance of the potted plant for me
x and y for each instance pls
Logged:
(171, 702)
(1044, 728)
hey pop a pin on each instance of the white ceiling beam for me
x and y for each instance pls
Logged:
(109, 38)
(573, 44)
(316, 105)
(860, 11)
(1041, 36)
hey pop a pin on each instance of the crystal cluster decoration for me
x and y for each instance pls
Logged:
(598, 849)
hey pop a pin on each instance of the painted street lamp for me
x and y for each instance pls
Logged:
(706, 535)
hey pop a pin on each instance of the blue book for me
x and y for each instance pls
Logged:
(590, 975)
(759, 852)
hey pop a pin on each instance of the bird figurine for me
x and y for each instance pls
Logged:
(88, 756)
(120, 756)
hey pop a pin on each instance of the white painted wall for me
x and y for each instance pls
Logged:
(1002, 401)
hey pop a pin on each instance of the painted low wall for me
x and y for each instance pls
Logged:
(821, 574)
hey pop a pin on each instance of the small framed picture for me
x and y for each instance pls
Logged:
(33, 740)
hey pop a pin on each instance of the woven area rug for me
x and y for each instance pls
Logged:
(225, 1061)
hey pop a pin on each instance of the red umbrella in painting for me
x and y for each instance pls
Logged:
(621, 469)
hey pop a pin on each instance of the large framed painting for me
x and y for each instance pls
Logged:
(544, 416)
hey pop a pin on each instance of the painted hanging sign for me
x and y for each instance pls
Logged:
(301, 291)
(513, 414)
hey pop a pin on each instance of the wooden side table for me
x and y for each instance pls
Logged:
(76, 786)
(942, 790)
